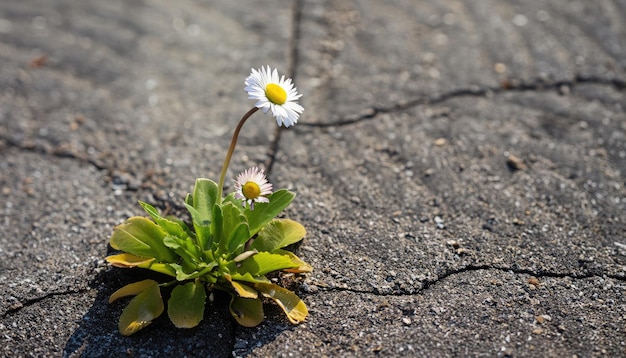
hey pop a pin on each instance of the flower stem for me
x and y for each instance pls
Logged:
(229, 154)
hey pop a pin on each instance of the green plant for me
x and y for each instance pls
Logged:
(233, 241)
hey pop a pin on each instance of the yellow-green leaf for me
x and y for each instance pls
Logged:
(141, 310)
(132, 289)
(126, 260)
(186, 304)
(264, 212)
(247, 311)
(242, 290)
(264, 262)
(293, 306)
(160, 267)
(142, 237)
(278, 233)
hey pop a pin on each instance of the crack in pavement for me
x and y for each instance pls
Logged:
(27, 303)
(293, 60)
(471, 268)
(472, 91)
(58, 152)
(372, 112)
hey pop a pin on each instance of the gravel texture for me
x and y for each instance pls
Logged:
(460, 169)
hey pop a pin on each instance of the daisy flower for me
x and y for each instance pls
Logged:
(252, 186)
(277, 94)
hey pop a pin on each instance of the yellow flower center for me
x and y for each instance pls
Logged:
(251, 190)
(275, 93)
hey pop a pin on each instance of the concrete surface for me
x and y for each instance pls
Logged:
(460, 169)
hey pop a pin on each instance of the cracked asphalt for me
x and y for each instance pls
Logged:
(460, 169)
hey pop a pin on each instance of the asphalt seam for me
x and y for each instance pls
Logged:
(293, 57)
(471, 268)
(472, 91)
(57, 152)
(36, 300)
(292, 63)
(371, 113)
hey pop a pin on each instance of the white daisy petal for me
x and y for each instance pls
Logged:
(274, 93)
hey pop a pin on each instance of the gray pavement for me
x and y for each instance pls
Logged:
(460, 169)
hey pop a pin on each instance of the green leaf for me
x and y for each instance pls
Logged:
(235, 230)
(230, 198)
(182, 224)
(183, 248)
(262, 263)
(204, 197)
(247, 311)
(264, 212)
(172, 227)
(202, 201)
(278, 233)
(142, 309)
(217, 226)
(201, 226)
(189, 272)
(186, 304)
(238, 237)
(293, 306)
(142, 237)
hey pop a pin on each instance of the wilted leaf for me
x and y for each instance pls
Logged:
(242, 290)
(186, 304)
(264, 262)
(247, 311)
(126, 260)
(141, 310)
(245, 255)
(247, 277)
(302, 266)
(142, 237)
(264, 212)
(278, 233)
(293, 306)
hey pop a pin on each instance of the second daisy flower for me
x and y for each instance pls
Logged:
(252, 186)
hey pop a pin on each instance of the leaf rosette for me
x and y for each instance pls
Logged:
(228, 247)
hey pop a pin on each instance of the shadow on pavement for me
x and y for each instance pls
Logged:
(217, 335)
(98, 336)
